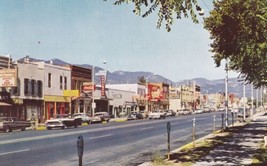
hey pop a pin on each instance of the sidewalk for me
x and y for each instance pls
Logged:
(239, 145)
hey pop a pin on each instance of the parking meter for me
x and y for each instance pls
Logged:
(168, 137)
(168, 127)
(80, 146)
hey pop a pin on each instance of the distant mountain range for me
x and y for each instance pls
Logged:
(123, 77)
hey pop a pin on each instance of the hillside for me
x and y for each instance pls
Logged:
(122, 77)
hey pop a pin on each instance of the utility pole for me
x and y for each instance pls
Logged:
(244, 104)
(226, 93)
(252, 100)
(93, 89)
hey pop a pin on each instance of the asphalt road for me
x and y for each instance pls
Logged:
(127, 143)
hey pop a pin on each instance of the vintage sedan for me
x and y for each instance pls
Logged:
(8, 124)
(157, 114)
(100, 117)
(63, 121)
(85, 118)
(135, 116)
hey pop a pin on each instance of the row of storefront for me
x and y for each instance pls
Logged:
(32, 90)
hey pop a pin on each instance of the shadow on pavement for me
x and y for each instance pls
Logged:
(237, 146)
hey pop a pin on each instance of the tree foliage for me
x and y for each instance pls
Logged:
(167, 9)
(238, 31)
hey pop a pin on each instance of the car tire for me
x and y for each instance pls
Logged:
(7, 130)
(48, 128)
(23, 128)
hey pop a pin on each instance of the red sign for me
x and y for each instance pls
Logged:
(154, 92)
(88, 87)
(102, 86)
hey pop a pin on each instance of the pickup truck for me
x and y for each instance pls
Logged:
(8, 124)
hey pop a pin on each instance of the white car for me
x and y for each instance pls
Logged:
(157, 114)
(198, 111)
(85, 118)
(62, 121)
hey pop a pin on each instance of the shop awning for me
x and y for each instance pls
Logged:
(4, 104)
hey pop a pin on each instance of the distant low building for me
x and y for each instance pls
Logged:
(138, 97)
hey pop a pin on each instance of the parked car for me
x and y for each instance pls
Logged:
(198, 111)
(240, 113)
(170, 113)
(157, 114)
(212, 109)
(63, 121)
(144, 113)
(185, 112)
(100, 117)
(85, 118)
(8, 124)
(206, 110)
(135, 116)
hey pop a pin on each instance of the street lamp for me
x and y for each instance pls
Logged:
(257, 98)
(93, 89)
(147, 89)
(244, 96)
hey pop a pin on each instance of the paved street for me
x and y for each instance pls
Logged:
(127, 143)
(241, 144)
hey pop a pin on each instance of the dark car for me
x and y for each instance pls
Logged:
(63, 121)
(8, 124)
(170, 113)
(135, 116)
(100, 117)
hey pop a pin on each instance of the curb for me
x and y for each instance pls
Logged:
(205, 137)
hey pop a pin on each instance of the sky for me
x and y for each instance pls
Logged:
(94, 31)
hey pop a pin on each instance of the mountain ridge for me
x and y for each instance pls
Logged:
(123, 77)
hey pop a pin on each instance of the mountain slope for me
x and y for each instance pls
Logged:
(123, 77)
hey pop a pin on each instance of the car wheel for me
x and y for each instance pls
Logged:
(63, 127)
(48, 128)
(7, 130)
(23, 129)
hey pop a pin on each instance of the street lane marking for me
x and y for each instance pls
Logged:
(146, 128)
(102, 136)
(10, 141)
(18, 151)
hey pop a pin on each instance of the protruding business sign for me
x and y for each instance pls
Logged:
(88, 87)
(8, 77)
(102, 86)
